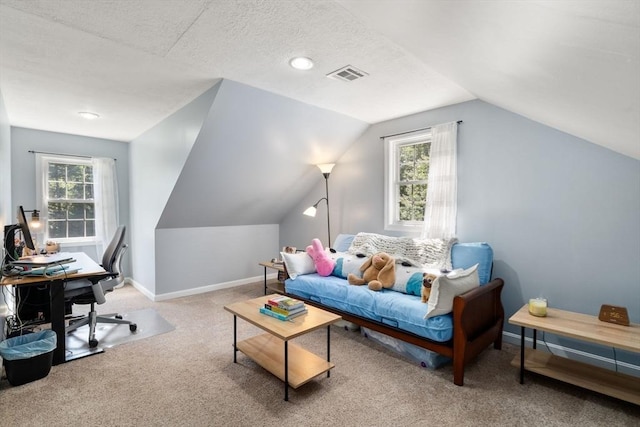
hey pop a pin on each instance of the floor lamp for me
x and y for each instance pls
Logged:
(311, 211)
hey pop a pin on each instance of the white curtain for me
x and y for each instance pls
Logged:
(41, 190)
(442, 190)
(105, 195)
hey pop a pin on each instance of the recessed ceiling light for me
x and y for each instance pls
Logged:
(88, 115)
(301, 63)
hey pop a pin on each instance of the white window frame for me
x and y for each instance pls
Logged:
(42, 168)
(391, 178)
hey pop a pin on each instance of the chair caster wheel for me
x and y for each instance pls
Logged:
(133, 327)
(93, 343)
(118, 316)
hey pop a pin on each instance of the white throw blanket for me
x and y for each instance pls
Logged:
(429, 253)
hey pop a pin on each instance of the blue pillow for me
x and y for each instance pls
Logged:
(343, 242)
(465, 255)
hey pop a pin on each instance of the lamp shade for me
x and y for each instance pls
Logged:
(310, 211)
(35, 219)
(326, 167)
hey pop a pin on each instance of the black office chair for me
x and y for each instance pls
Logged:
(92, 290)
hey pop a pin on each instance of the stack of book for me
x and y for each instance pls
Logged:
(283, 308)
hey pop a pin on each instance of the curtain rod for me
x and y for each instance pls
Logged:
(411, 131)
(61, 154)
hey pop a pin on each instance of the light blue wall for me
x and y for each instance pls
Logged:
(6, 216)
(24, 173)
(252, 160)
(562, 214)
(157, 159)
(193, 260)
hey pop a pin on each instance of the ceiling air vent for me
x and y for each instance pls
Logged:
(347, 74)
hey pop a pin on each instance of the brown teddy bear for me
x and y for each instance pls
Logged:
(379, 271)
(427, 281)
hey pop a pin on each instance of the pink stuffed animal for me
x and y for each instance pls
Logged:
(324, 264)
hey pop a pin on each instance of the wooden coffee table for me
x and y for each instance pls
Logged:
(291, 363)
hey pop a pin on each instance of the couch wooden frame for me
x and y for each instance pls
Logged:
(478, 317)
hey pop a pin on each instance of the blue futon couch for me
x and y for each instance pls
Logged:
(475, 322)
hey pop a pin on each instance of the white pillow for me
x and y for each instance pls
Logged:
(445, 288)
(298, 264)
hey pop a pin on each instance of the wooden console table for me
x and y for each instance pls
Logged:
(581, 327)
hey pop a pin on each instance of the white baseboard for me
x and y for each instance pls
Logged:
(196, 291)
(570, 353)
(144, 291)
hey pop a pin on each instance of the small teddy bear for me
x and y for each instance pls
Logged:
(427, 281)
(379, 272)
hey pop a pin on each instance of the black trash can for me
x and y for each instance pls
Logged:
(28, 357)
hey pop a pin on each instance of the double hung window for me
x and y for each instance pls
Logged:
(66, 188)
(406, 180)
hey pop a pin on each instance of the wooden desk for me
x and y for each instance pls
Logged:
(87, 268)
(581, 327)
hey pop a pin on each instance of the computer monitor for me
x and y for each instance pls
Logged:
(24, 226)
(11, 252)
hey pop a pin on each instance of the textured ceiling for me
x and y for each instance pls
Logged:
(572, 65)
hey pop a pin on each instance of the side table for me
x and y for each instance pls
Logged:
(581, 327)
(276, 286)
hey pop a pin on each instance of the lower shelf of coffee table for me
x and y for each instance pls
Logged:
(268, 351)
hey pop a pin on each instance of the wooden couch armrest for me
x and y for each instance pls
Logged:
(478, 316)
(478, 310)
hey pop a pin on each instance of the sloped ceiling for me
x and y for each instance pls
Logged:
(573, 65)
(266, 168)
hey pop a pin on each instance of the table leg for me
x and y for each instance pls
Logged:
(235, 335)
(329, 348)
(286, 370)
(56, 301)
(522, 355)
(535, 338)
(265, 280)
